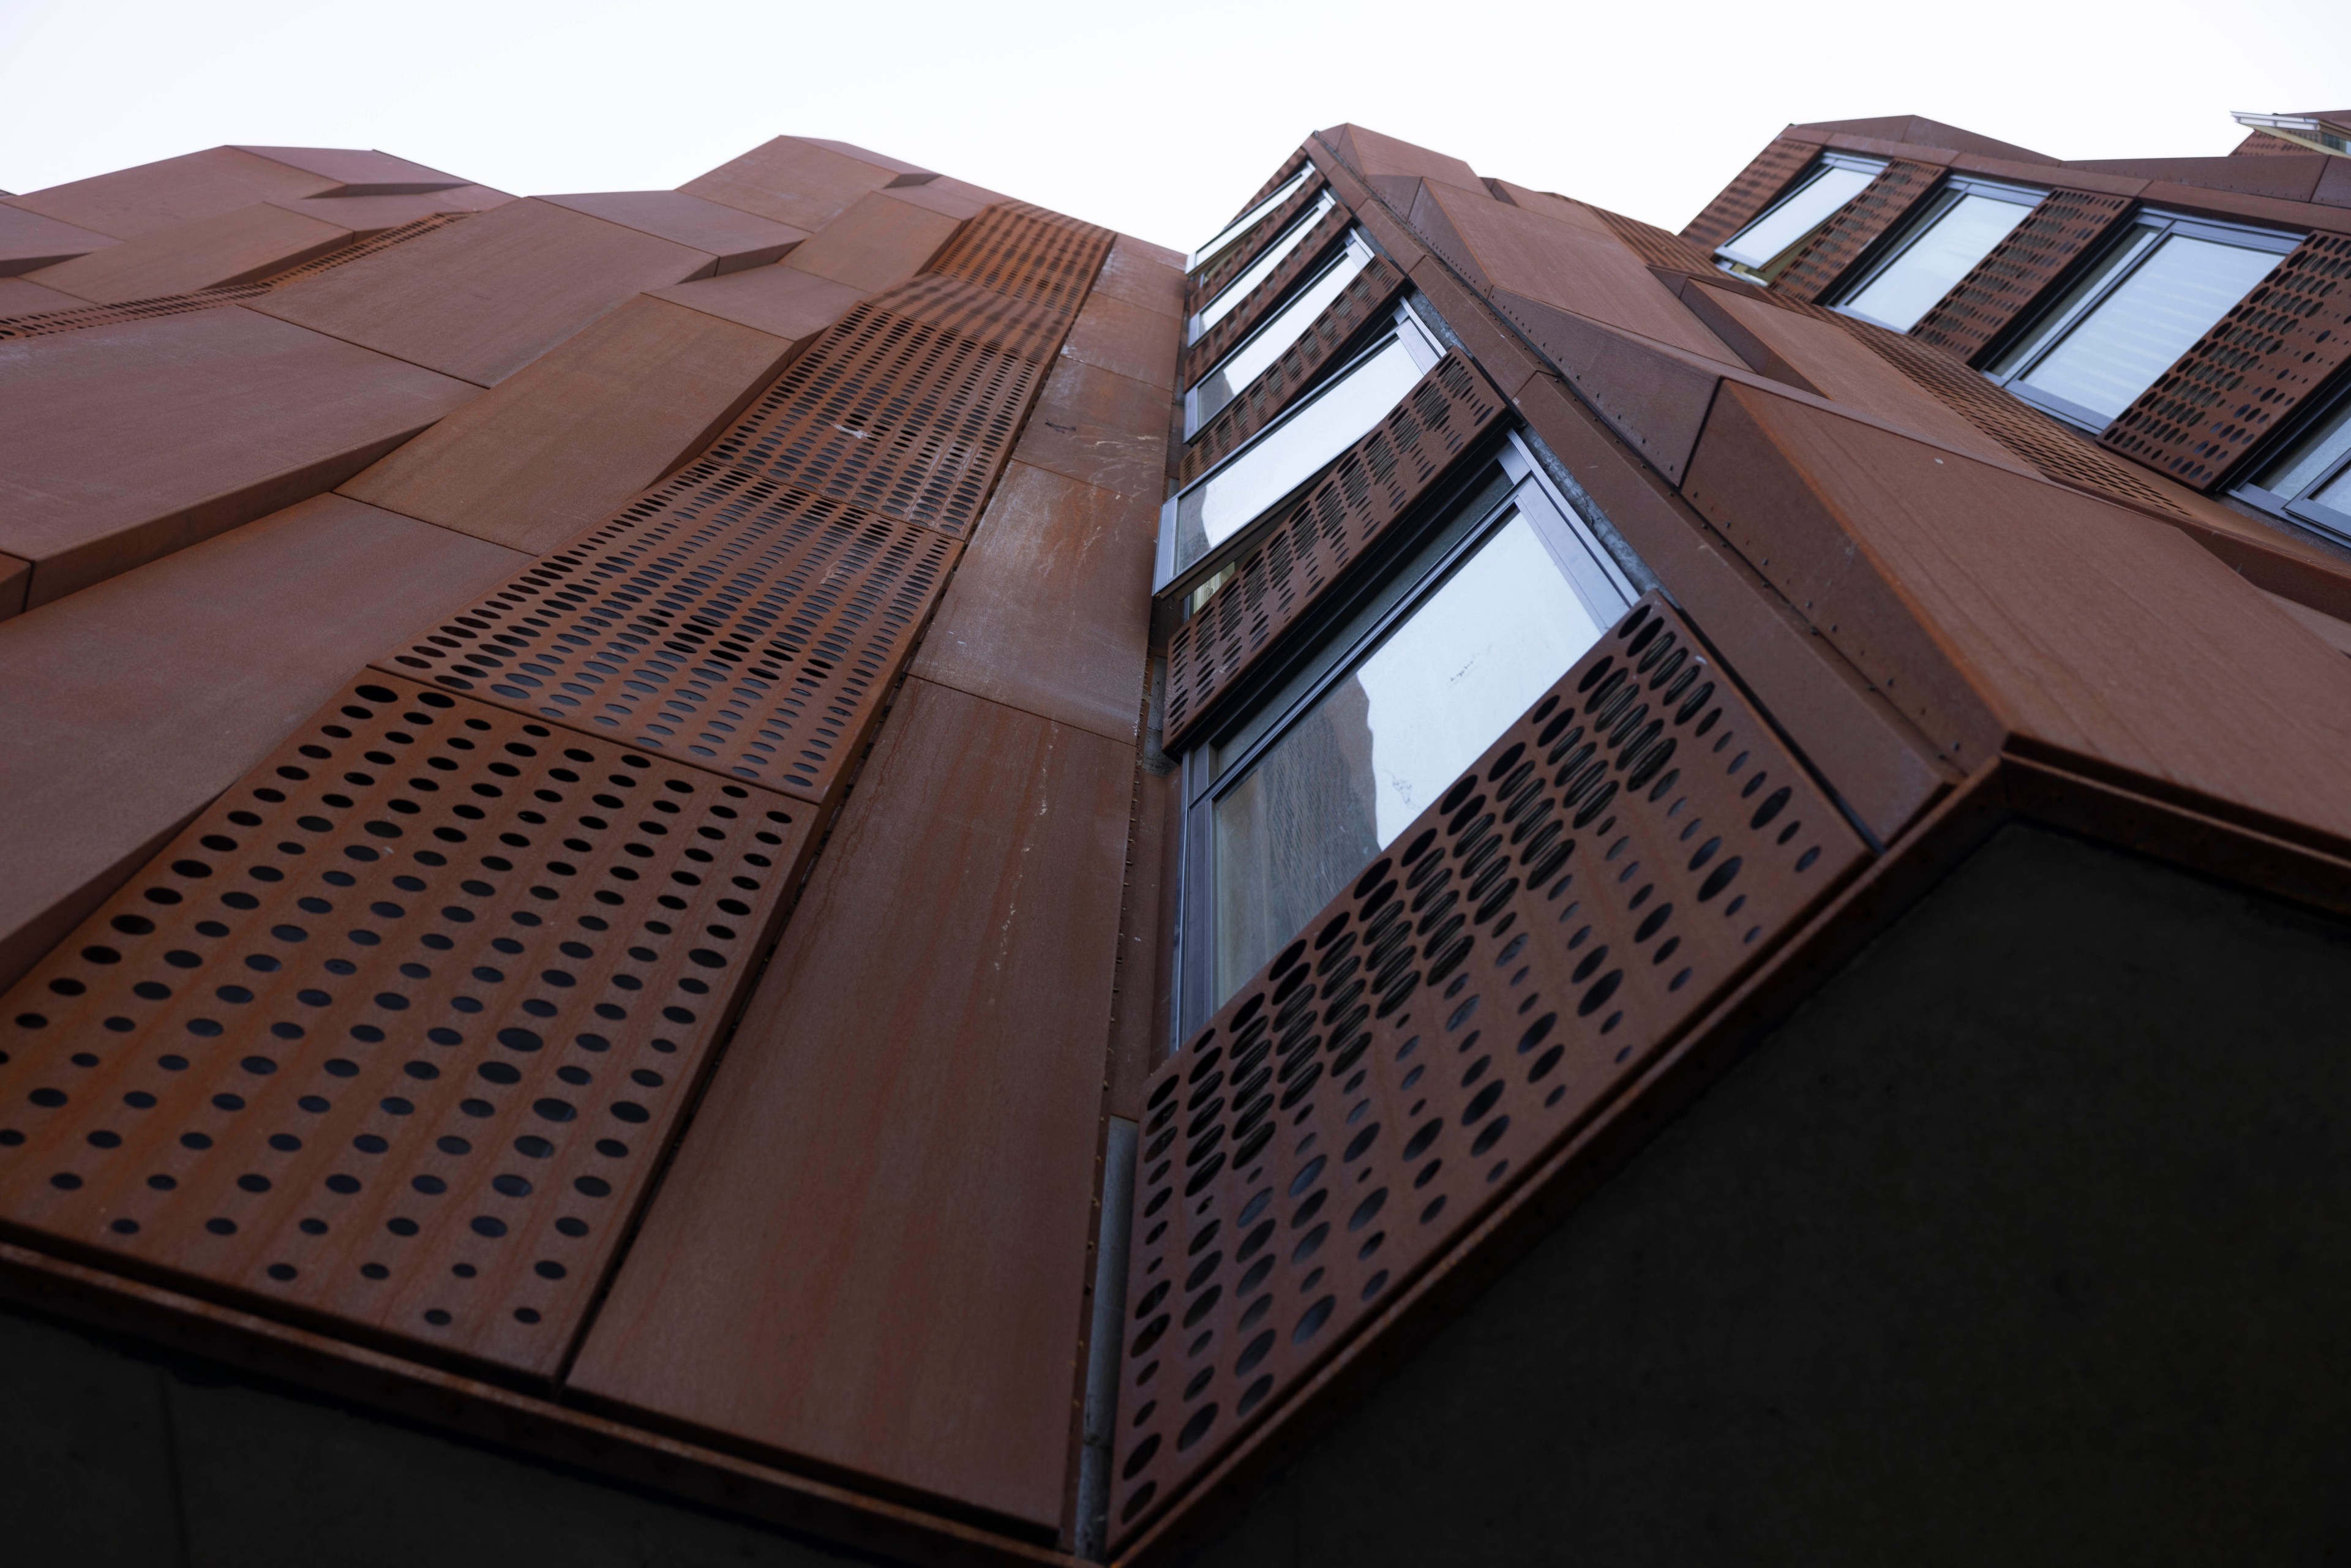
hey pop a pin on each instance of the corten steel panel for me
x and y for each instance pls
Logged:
(1652, 394)
(872, 1253)
(1659, 247)
(1289, 166)
(123, 444)
(129, 202)
(793, 305)
(1246, 316)
(1815, 352)
(890, 415)
(1301, 366)
(239, 246)
(396, 1031)
(1029, 252)
(793, 180)
(1619, 858)
(19, 299)
(2076, 629)
(1884, 203)
(482, 299)
(991, 319)
(1050, 606)
(1377, 157)
(207, 658)
(1372, 483)
(1584, 270)
(737, 238)
(2015, 273)
(1757, 187)
(1133, 274)
(1211, 279)
(2258, 364)
(952, 197)
(1099, 428)
(1126, 339)
(16, 575)
(361, 171)
(2274, 178)
(880, 241)
(558, 445)
(371, 215)
(2260, 143)
(728, 621)
(28, 240)
(81, 314)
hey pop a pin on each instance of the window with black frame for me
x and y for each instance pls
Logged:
(1958, 227)
(2310, 480)
(1769, 244)
(1213, 516)
(1224, 380)
(1240, 225)
(2144, 302)
(1228, 299)
(1290, 798)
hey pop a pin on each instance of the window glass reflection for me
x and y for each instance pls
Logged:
(1389, 737)
(1771, 239)
(1241, 225)
(2152, 317)
(1271, 341)
(1945, 249)
(1257, 271)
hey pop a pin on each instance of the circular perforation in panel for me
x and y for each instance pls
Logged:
(396, 1030)
(734, 623)
(890, 413)
(2013, 273)
(1533, 940)
(1028, 252)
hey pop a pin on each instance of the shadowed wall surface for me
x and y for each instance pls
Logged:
(2028, 1240)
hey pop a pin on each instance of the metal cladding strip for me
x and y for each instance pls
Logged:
(394, 1033)
(48, 321)
(1858, 224)
(1372, 483)
(893, 414)
(726, 620)
(2005, 284)
(1210, 280)
(1266, 296)
(2254, 368)
(1256, 405)
(991, 319)
(1029, 253)
(1758, 186)
(1620, 857)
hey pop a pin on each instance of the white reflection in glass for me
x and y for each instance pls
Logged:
(1391, 737)
(1779, 230)
(2304, 466)
(1240, 225)
(1271, 341)
(1931, 265)
(2152, 317)
(1257, 271)
(1289, 454)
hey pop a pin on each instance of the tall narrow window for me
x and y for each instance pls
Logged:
(1288, 806)
(1765, 248)
(1242, 225)
(1219, 505)
(2143, 304)
(1267, 343)
(1257, 271)
(1961, 223)
(2311, 480)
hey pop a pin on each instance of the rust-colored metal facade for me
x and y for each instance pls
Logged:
(689, 999)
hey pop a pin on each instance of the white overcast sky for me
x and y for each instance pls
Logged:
(1156, 118)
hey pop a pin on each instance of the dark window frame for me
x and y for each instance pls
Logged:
(1937, 204)
(2330, 408)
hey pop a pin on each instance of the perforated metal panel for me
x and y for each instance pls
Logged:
(891, 414)
(1619, 858)
(1371, 292)
(991, 319)
(1289, 166)
(2015, 273)
(730, 621)
(2255, 366)
(1758, 186)
(1210, 280)
(394, 1033)
(1373, 484)
(1028, 252)
(1246, 316)
(48, 321)
(1884, 203)
(1659, 247)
